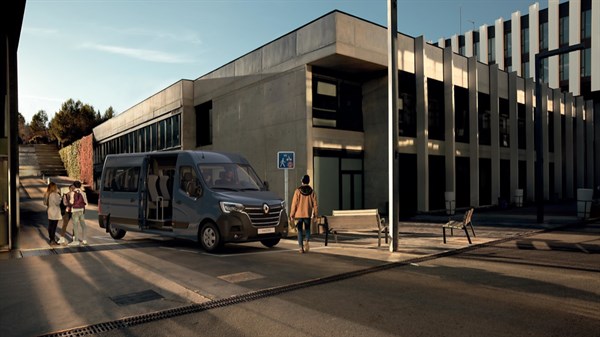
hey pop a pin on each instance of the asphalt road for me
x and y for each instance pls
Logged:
(547, 284)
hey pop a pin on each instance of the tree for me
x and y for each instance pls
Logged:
(73, 121)
(24, 131)
(108, 114)
(38, 124)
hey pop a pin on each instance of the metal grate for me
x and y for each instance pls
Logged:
(259, 218)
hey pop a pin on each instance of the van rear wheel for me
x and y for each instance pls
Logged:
(116, 233)
(270, 242)
(209, 237)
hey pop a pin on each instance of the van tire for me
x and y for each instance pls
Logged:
(270, 242)
(209, 237)
(116, 233)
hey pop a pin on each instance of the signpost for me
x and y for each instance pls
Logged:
(286, 160)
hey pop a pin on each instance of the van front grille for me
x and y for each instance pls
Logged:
(260, 219)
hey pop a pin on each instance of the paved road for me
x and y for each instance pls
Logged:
(543, 285)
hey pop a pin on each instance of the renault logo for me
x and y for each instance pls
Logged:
(266, 208)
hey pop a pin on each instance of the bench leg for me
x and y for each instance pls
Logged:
(444, 231)
(467, 232)
(472, 229)
(326, 233)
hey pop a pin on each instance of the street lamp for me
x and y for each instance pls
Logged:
(539, 138)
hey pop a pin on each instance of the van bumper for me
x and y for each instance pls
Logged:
(239, 228)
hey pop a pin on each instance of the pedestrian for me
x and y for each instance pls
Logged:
(52, 202)
(66, 216)
(78, 201)
(304, 209)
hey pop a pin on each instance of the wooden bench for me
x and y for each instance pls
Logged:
(460, 224)
(354, 220)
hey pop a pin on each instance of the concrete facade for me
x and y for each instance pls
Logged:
(296, 93)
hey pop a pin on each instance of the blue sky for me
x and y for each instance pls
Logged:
(119, 52)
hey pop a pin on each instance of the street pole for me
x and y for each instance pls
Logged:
(538, 135)
(393, 178)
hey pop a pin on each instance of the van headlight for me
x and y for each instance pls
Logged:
(228, 207)
(283, 204)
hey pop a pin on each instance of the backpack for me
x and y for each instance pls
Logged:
(78, 201)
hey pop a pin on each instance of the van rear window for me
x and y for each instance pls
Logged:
(121, 179)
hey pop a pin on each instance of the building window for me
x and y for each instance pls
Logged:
(504, 123)
(521, 126)
(543, 36)
(484, 124)
(407, 111)
(563, 61)
(525, 41)
(544, 69)
(563, 38)
(491, 50)
(461, 114)
(586, 62)
(507, 45)
(586, 24)
(337, 104)
(204, 124)
(550, 131)
(525, 69)
(435, 100)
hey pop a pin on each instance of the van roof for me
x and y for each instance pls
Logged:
(198, 156)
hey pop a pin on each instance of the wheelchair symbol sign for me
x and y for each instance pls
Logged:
(285, 160)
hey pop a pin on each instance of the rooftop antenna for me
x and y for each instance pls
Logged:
(472, 23)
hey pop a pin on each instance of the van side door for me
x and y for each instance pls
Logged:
(187, 195)
(122, 192)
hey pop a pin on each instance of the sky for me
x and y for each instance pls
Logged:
(117, 53)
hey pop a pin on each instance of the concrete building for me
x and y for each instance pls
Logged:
(321, 91)
(11, 20)
(513, 43)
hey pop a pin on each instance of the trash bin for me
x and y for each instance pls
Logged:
(519, 197)
(450, 203)
(584, 202)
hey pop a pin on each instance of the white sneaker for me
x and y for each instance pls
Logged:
(74, 243)
(61, 241)
(84, 242)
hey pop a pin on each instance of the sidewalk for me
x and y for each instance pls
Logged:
(63, 288)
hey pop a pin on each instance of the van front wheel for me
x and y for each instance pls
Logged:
(270, 242)
(116, 233)
(209, 237)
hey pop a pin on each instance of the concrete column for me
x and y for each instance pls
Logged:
(450, 143)
(483, 44)
(534, 36)
(469, 43)
(473, 133)
(454, 43)
(422, 127)
(530, 145)
(495, 132)
(595, 46)
(499, 43)
(514, 131)
(574, 38)
(580, 144)
(569, 155)
(545, 142)
(557, 100)
(553, 43)
(589, 144)
(515, 27)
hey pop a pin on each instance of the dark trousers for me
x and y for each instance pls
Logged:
(52, 224)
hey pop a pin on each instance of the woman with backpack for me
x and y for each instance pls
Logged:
(78, 200)
(66, 216)
(52, 202)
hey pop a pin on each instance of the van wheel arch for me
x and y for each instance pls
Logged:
(209, 237)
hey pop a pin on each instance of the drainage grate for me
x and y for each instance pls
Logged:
(134, 298)
(259, 294)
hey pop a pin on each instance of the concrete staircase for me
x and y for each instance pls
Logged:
(40, 160)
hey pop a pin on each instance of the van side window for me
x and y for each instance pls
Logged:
(122, 179)
(188, 181)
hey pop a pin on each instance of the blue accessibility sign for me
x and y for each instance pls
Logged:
(286, 160)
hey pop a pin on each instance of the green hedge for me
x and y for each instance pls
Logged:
(70, 157)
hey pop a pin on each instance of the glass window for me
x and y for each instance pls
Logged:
(484, 124)
(525, 41)
(525, 70)
(504, 123)
(563, 38)
(507, 45)
(435, 100)
(407, 111)
(204, 124)
(337, 104)
(461, 114)
(122, 179)
(176, 131)
(586, 62)
(521, 126)
(543, 35)
(491, 50)
(564, 67)
(586, 24)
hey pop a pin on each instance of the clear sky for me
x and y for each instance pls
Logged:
(120, 52)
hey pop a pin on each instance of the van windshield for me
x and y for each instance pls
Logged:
(227, 176)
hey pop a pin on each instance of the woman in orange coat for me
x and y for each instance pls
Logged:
(304, 209)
